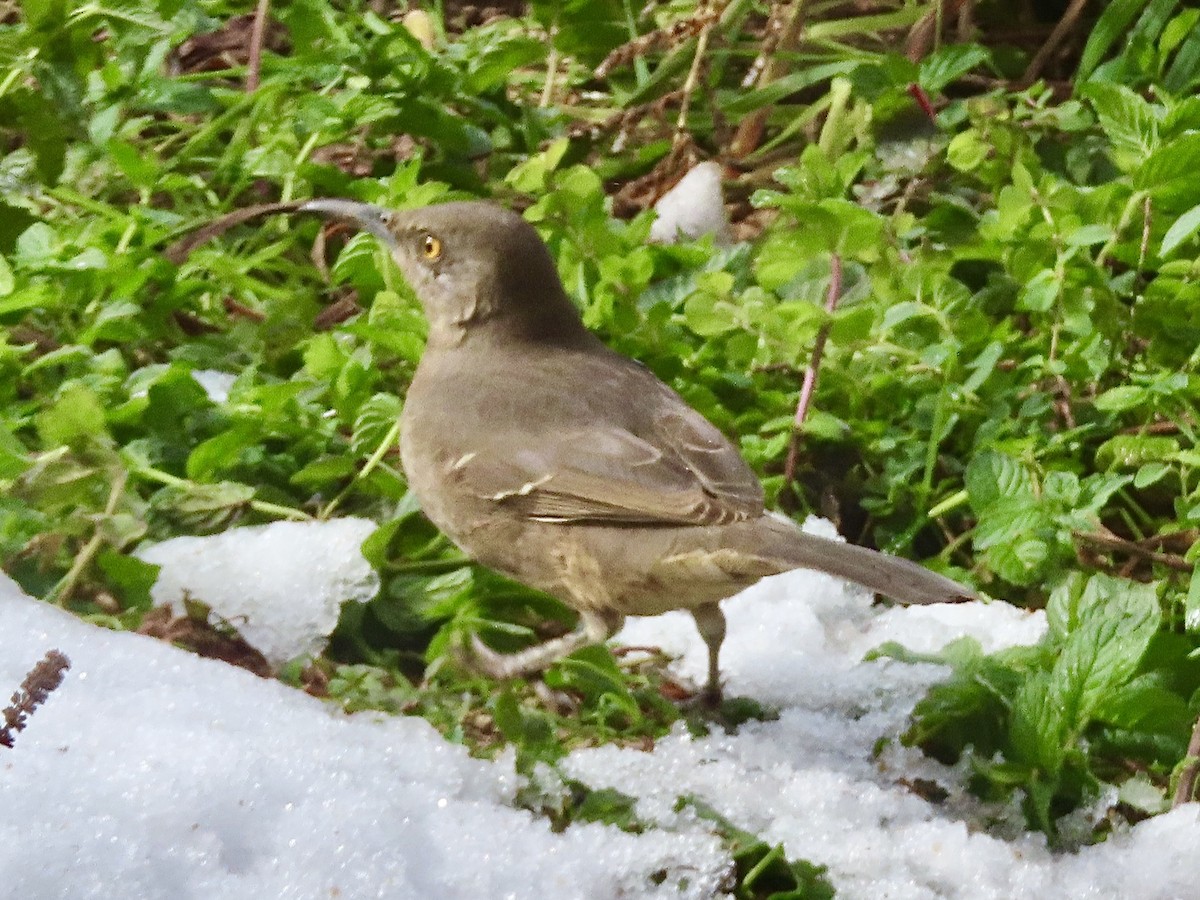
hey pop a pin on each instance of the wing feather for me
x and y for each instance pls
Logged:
(685, 474)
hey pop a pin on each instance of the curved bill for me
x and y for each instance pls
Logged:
(368, 217)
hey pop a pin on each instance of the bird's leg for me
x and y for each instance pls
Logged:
(593, 628)
(710, 622)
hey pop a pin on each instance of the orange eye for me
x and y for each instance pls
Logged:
(431, 247)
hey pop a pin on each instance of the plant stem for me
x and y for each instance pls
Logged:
(257, 34)
(62, 591)
(1186, 787)
(814, 365)
(389, 440)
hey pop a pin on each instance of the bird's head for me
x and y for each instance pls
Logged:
(475, 266)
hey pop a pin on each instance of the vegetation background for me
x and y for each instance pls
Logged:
(984, 214)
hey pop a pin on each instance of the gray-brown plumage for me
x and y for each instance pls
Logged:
(548, 457)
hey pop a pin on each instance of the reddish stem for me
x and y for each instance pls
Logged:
(918, 93)
(809, 385)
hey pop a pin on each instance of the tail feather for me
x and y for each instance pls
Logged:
(900, 579)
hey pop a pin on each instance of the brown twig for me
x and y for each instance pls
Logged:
(966, 21)
(922, 37)
(42, 679)
(642, 193)
(242, 311)
(1109, 541)
(1061, 30)
(257, 33)
(663, 37)
(27, 334)
(693, 75)
(750, 131)
(814, 365)
(182, 248)
(1153, 428)
(627, 118)
(770, 40)
(337, 312)
(1186, 787)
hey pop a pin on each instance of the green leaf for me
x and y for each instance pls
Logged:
(1146, 706)
(1181, 229)
(1150, 473)
(1192, 605)
(1130, 122)
(1090, 235)
(1020, 559)
(1117, 621)
(1040, 292)
(1121, 398)
(206, 507)
(323, 472)
(1009, 520)
(949, 63)
(992, 476)
(221, 453)
(1130, 451)
(532, 175)
(14, 459)
(1038, 732)
(76, 416)
(709, 315)
(129, 576)
(968, 150)
(376, 418)
(1184, 71)
(1103, 639)
(1169, 173)
(1112, 25)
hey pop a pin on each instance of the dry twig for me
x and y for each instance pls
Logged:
(693, 75)
(750, 131)
(181, 249)
(257, 33)
(1186, 788)
(42, 679)
(654, 40)
(1068, 21)
(1136, 549)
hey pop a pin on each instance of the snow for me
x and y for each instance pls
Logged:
(216, 384)
(279, 585)
(152, 773)
(693, 208)
(155, 774)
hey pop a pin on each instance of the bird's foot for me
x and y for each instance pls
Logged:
(477, 657)
(711, 697)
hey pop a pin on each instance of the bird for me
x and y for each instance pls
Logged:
(570, 468)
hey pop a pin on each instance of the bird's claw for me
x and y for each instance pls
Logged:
(476, 656)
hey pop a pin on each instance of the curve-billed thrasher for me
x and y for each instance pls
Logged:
(548, 457)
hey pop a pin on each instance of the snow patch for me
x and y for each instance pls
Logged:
(280, 585)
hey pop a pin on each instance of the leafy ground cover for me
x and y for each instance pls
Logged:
(1008, 391)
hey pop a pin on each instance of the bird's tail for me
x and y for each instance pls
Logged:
(900, 579)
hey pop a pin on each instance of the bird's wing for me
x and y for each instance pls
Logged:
(683, 471)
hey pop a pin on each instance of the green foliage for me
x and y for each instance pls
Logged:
(763, 871)
(1009, 391)
(1155, 43)
(1104, 689)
